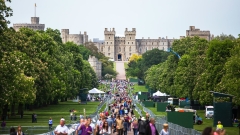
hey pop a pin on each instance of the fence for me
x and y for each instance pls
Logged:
(174, 129)
(71, 127)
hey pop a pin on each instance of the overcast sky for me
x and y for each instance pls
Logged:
(151, 18)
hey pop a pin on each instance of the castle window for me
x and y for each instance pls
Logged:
(152, 43)
(130, 37)
(128, 42)
(111, 42)
(124, 49)
(109, 37)
(107, 42)
(119, 49)
(132, 42)
(108, 54)
(146, 43)
(140, 50)
(129, 49)
(146, 48)
(163, 48)
(130, 54)
(109, 48)
(163, 43)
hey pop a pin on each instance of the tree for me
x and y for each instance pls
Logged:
(5, 12)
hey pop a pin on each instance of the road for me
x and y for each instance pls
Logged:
(121, 70)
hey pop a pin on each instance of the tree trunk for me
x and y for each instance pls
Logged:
(20, 108)
(5, 112)
(65, 99)
(13, 109)
(62, 99)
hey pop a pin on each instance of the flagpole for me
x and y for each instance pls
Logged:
(35, 10)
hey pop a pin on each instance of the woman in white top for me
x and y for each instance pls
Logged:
(164, 131)
(105, 130)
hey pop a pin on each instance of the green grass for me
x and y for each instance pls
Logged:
(125, 65)
(54, 111)
(209, 123)
(114, 66)
(141, 88)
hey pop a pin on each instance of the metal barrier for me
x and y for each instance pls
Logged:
(94, 117)
(174, 129)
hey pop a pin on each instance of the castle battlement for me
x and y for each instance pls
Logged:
(33, 25)
(133, 32)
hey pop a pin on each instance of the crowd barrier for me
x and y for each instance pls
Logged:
(174, 129)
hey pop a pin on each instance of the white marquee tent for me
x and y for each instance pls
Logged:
(158, 93)
(95, 91)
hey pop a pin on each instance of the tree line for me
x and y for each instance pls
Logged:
(203, 67)
(37, 69)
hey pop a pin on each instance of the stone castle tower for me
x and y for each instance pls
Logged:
(121, 48)
(33, 25)
(197, 32)
(78, 39)
(96, 65)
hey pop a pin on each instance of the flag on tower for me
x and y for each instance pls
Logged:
(35, 5)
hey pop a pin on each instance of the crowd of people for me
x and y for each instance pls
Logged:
(119, 119)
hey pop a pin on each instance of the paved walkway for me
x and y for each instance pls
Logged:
(121, 70)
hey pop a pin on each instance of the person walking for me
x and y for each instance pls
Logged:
(50, 122)
(61, 129)
(86, 128)
(151, 128)
(125, 126)
(19, 131)
(135, 126)
(105, 129)
(219, 125)
(207, 131)
(142, 126)
(119, 127)
(165, 131)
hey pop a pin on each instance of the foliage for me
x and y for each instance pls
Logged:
(134, 57)
(37, 69)
(138, 65)
(5, 12)
(204, 66)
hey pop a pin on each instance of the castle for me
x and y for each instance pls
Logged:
(197, 32)
(33, 25)
(121, 48)
(78, 39)
(96, 65)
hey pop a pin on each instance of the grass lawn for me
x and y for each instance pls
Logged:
(141, 88)
(209, 123)
(54, 111)
(114, 66)
(125, 65)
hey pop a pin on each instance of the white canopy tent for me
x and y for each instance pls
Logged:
(95, 91)
(158, 93)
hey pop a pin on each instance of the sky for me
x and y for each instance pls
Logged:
(151, 18)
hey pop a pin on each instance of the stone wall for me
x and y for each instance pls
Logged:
(78, 39)
(96, 65)
(33, 25)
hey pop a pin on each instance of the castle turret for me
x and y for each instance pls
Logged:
(130, 42)
(34, 20)
(109, 43)
(65, 34)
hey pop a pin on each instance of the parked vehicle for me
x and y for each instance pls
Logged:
(173, 101)
(209, 112)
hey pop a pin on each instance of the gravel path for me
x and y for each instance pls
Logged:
(121, 70)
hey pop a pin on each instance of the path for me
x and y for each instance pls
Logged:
(121, 70)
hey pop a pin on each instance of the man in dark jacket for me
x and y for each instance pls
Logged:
(151, 128)
(142, 126)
